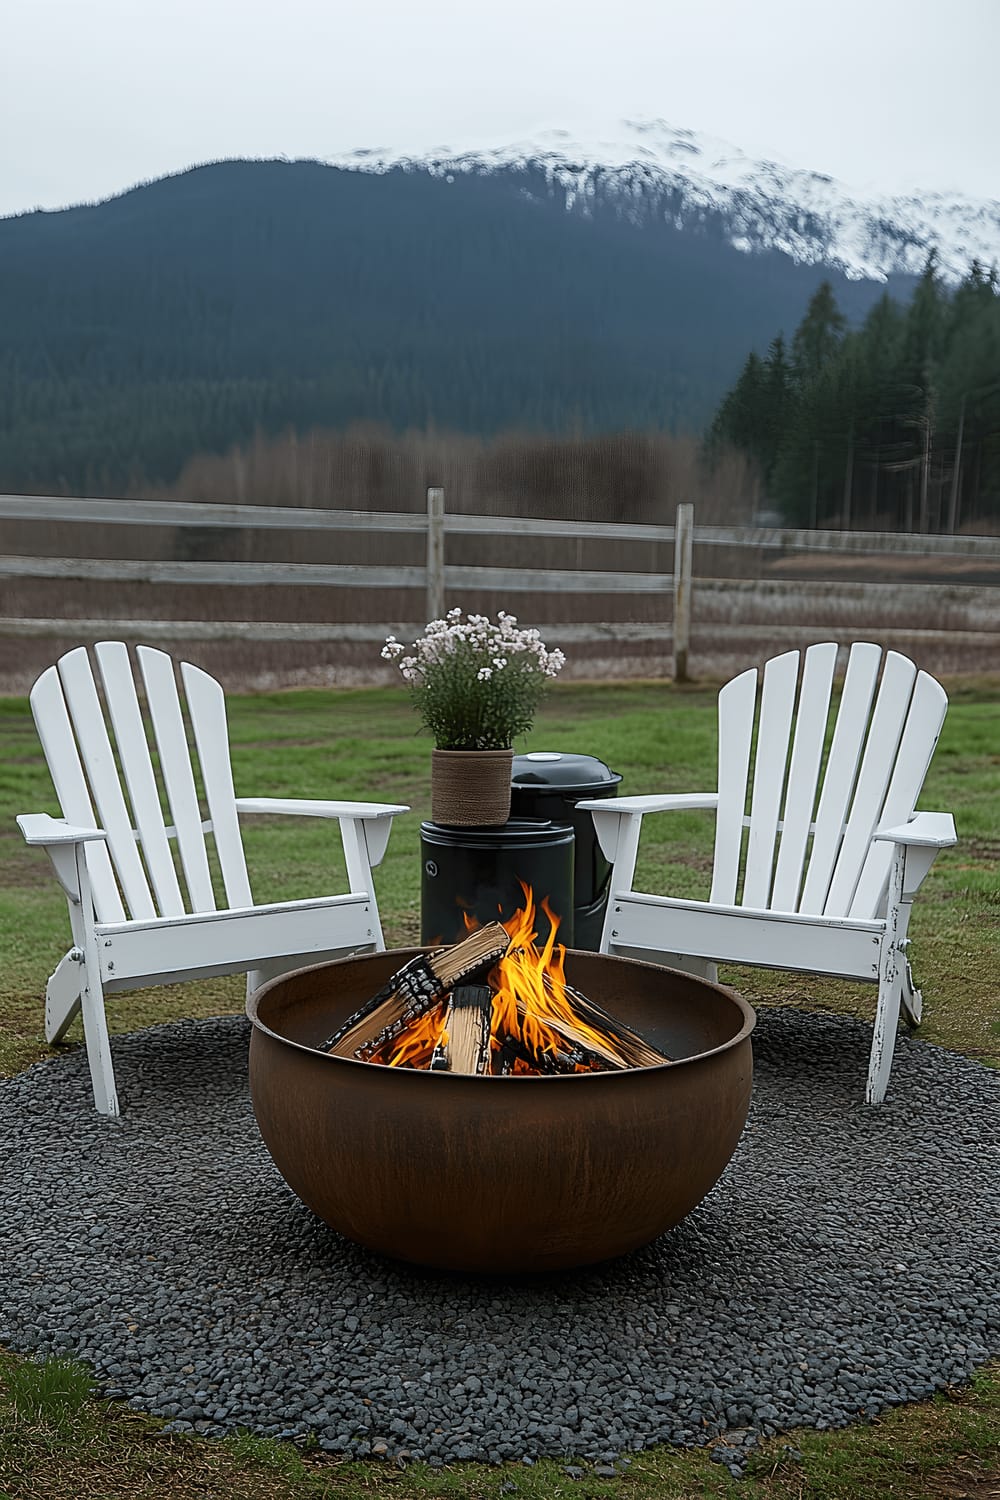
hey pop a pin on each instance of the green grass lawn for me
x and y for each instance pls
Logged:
(57, 1439)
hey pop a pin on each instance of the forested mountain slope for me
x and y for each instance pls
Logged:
(189, 312)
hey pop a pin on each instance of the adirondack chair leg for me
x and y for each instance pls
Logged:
(272, 969)
(703, 968)
(95, 1031)
(62, 995)
(95, 1022)
(884, 1040)
(892, 963)
(354, 837)
(911, 998)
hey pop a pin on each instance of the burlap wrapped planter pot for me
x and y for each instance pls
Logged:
(471, 788)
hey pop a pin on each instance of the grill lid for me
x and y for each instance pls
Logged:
(564, 772)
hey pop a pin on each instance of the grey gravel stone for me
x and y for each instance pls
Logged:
(844, 1263)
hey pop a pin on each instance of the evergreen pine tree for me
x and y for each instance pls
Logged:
(818, 336)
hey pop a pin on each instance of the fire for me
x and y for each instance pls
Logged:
(534, 1026)
(415, 1047)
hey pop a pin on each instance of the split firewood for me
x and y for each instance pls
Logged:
(505, 1056)
(467, 1031)
(617, 1044)
(571, 1057)
(421, 983)
(632, 1049)
(583, 1050)
(566, 1059)
(513, 1050)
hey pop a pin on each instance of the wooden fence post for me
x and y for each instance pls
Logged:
(435, 554)
(683, 536)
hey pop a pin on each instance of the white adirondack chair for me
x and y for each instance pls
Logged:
(830, 863)
(134, 921)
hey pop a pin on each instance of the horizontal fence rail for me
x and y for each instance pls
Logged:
(278, 631)
(965, 616)
(333, 575)
(181, 513)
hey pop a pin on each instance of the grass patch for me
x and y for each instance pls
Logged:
(48, 1393)
(57, 1439)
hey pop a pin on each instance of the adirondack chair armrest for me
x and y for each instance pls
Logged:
(304, 807)
(614, 815)
(41, 829)
(665, 802)
(375, 819)
(61, 842)
(925, 830)
(920, 839)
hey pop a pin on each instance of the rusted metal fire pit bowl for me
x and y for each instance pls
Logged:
(502, 1174)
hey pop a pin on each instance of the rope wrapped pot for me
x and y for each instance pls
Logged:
(471, 788)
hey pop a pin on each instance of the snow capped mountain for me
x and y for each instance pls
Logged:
(644, 169)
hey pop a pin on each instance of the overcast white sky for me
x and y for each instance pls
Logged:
(96, 95)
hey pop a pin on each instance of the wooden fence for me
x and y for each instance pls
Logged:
(686, 606)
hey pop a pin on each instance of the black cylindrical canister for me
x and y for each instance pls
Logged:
(547, 784)
(483, 871)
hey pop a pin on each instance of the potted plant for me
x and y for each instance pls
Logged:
(476, 685)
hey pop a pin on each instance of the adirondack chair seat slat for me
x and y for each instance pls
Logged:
(210, 919)
(818, 852)
(747, 913)
(648, 925)
(135, 953)
(136, 917)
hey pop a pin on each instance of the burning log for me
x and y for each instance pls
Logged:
(630, 1049)
(572, 1058)
(512, 1050)
(467, 1025)
(617, 1049)
(547, 1008)
(524, 1019)
(413, 990)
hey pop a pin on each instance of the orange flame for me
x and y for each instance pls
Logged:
(529, 985)
(529, 995)
(414, 1046)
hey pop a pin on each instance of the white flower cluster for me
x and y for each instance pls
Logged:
(475, 682)
(495, 643)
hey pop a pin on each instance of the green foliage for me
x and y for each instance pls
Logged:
(896, 422)
(192, 313)
(264, 1453)
(818, 336)
(475, 684)
(48, 1392)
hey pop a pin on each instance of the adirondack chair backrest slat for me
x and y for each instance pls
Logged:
(207, 707)
(140, 778)
(171, 740)
(104, 779)
(884, 734)
(771, 758)
(819, 857)
(55, 731)
(736, 714)
(924, 722)
(104, 773)
(803, 774)
(841, 772)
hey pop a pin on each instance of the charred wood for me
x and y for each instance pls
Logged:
(421, 983)
(466, 1048)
